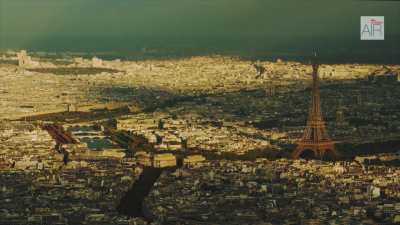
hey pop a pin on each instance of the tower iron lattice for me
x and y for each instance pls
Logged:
(315, 137)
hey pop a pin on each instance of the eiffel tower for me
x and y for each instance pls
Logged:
(315, 141)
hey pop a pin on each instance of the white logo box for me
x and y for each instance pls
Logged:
(372, 28)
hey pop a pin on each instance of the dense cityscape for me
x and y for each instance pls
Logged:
(196, 140)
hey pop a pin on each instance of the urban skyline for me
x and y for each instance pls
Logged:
(199, 112)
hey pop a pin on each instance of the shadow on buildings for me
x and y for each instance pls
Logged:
(132, 203)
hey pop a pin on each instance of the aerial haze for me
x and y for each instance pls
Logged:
(254, 28)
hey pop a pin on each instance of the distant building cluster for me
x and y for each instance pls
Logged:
(278, 192)
(193, 133)
(384, 75)
(210, 125)
(38, 188)
(25, 61)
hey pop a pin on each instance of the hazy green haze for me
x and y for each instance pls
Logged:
(251, 28)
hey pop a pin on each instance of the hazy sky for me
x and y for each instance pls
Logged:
(198, 26)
